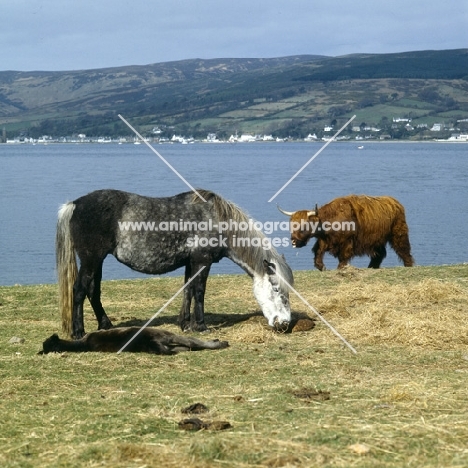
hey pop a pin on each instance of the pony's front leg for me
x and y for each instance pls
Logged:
(198, 286)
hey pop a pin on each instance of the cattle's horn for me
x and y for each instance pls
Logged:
(287, 213)
(313, 213)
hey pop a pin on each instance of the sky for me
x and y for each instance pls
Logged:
(53, 35)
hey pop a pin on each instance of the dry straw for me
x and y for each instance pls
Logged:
(429, 312)
(367, 307)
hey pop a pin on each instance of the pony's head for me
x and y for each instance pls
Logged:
(269, 270)
(51, 345)
(272, 294)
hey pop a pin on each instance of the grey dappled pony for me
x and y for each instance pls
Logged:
(100, 223)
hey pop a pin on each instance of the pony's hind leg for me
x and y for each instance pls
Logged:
(88, 284)
(182, 343)
(80, 290)
(94, 296)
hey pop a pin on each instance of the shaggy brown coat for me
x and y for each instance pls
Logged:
(377, 221)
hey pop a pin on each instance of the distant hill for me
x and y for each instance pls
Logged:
(287, 96)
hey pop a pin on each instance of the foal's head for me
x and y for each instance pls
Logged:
(51, 345)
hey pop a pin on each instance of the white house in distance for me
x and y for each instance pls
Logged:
(311, 137)
(244, 138)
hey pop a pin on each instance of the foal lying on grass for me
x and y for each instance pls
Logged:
(149, 340)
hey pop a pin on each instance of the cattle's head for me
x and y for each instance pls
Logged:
(302, 225)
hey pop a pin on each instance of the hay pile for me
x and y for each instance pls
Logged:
(429, 313)
(370, 307)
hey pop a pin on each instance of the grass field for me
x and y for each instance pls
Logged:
(292, 400)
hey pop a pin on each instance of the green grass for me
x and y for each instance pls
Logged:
(403, 395)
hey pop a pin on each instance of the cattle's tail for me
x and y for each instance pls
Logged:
(66, 265)
(400, 239)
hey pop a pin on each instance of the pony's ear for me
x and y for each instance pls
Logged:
(53, 338)
(270, 268)
(50, 345)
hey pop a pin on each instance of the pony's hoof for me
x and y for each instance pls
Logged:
(185, 326)
(200, 328)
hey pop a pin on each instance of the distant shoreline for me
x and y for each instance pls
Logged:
(423, 269)
(221, 142)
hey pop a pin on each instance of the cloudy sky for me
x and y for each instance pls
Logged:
(84, 34)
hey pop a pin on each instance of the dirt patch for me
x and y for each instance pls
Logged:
(283, 461)
(302, 325)
(195, 424)
(196, 408)
(311, 394)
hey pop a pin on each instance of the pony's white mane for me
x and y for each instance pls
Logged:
(249, 255)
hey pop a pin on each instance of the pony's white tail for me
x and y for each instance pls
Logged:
(66, 265)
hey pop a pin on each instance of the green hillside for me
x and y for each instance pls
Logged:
(288, 96)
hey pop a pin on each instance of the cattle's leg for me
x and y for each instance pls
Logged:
(94, 296)
(345, 254)
(184, 314)
(377, 258)
(318, 250)
(400, 243)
